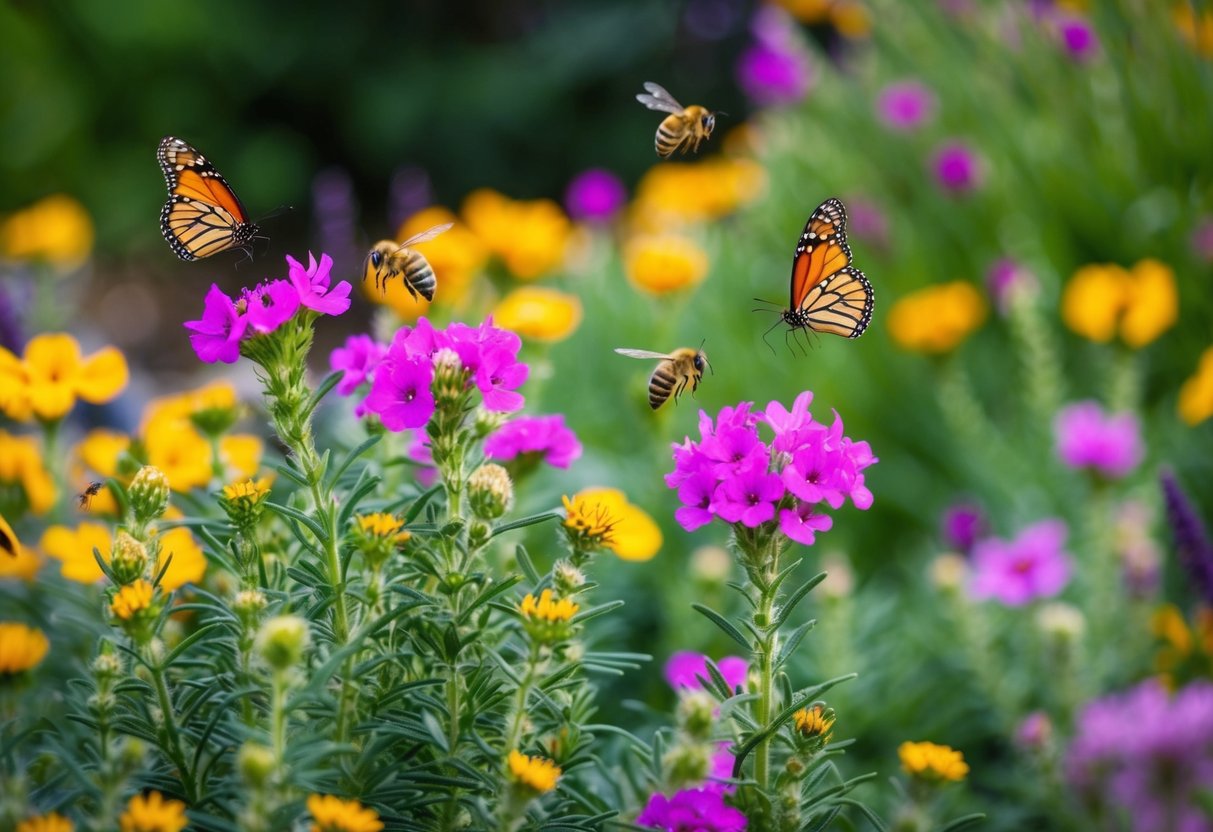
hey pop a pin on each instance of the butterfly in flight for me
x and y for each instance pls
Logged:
(203, 215)
(827, 293)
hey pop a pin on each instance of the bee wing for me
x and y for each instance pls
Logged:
(642, 354)
(659, 100)
(428, 234)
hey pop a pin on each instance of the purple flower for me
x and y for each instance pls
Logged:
(358, 360)
(682, 668)
(400, 393)
(776, 68)
(722, 764)
(956, 167)
(270, 305)
(803, 522)
(216, 336)
(595, 195)
(696, 493)
(692, 810)
(905, 105)
(866, 221)
(1086, 438)
(748, 497)
(312, 284)
(963, 524)
(1035, 732)
(784, 421)
(488, 353)
(1030, 567)
(1189, 535)
(1006, 279)
(1078, 37)
(1202, 239)
(1148, 754)
(540, 435)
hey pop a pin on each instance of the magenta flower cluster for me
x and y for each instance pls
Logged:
(1147, 753)
(692, 810)
(1027, 568)
(227, 321)
(1088, 438)
(905, 105)
(731, 473)
(685, 668)
(544, 436)
(775, 69)
(595, 195)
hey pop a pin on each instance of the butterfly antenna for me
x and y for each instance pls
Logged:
(764, 337)
(277, 212)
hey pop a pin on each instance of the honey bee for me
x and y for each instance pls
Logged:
(85, 497)
(684, 128)
(392, 259)
(677, 369)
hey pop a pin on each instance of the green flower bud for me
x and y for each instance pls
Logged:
(282, 640)
(695, 714)
(567, 577)
(249, 604)
(107, 665)
(450, 378)
(688, 763)
(129, 559)
(487, 421)
(490, 491)
(216, 421)
(256, 764)
(148, 493)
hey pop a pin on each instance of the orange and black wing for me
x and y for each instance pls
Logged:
(203, 215)
(827, 294)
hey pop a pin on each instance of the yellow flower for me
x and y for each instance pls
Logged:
(153, 813)
(55, 375)
(1101, 301)
(530, 237)
(74, 549)
(99, 452)
(539, 313)
(174, 444)
(807, 11)
(850, 18)
(21, 647)
(814, 722)
(536, 773)
(1183, 652)
(240, 454)
(633, 534)
(53, 822)
(56, 229)
(546, 608)
(929, 761)
(132, 599)
(183, 454)
(189, 563)
(14, 389)
(16, 561)
(665, 263)
(21, 465)
(250, 490)
(386, 526)
(1196, 394)
(332, 814)
(678, 193)
(936, 319)
(1198, 32)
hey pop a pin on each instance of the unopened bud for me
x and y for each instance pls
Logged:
(282, 640)
(107, 665)
(248, 604)
(449, 377)
(695, 711)
(688, 763)
(948, 572)
(256, 763)
(711, 564)
(490, 491)
(567, 577)
(148, 494)
(486, 421)
(129, 558)
(1061, 621)
(243, 503)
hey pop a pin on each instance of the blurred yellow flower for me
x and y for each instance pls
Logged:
(152, 812)
(132, 599)
(332, 814)
(52, 374)
(671, 193)
(1196, 394)
(188, 564)
(539, 313)
(850, 18)
(929, 761)
(73, 548)
(530, 237)
(21, 465)
(1197, 31)
(633, 534)
(16, 561)
(807, 11)
(173, 442)
(938, 318)
(56, 229)
(665, 263)
(97, 456)
(52, 822)
(536, 773)
(21, 647)
(241, 454)
(1183, 652)
(182, 453)
(1102, 300)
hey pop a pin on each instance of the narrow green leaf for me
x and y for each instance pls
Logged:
(963, 822)
(872, 817)
(784, 715)
(723, 623)
(325, 386)
(352, 457)
(365, 485)
(529, 520)
(299, 517)
(488, 594)
(795, 598)
(419, 504)
(189, 641)
(104, 564)
(291, 473)
(792, 641)
(526, 565)
(823, 822)
(595, 611)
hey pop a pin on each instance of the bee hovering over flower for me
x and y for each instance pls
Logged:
(684, 128)
(391, 259)
(85, 498)
(677, 369)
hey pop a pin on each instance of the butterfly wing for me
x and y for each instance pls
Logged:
(658, 99)
(840, 304)
(203, 215)
(827, 294)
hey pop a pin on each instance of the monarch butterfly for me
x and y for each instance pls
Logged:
(203, 216)
(828, 295)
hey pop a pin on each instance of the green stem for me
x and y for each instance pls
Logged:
(520, 697)
(765, 658)
(174, 735)
(278, 723)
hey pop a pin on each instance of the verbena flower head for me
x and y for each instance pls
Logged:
(1078, 37)
(1190, 536)
(684, 669)
(731, 473)
(775, 69)
(957, 168)
(595, 194)
(1030, 567)
(1109, 444)
(357, 360)
(692, 810)
(312, 285)
(1146, 753)
(963, 524)
(547, 437)
(905, 105)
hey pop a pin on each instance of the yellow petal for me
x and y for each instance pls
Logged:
(102, 376)
(100, 450)
(241, 455)
(74, 550)
(52, 363)
(1196, 395)
(539, 313)
(1094, 299)
(188, 564)
(1154, 303)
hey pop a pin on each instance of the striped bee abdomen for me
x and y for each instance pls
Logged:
(661, 384)
(670, 135)
(419, 275)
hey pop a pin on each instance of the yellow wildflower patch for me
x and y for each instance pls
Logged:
(188, 564)
(152, 812)
(56, 229)
(332, 814)
(73, 548)
(21, 647)
(132, 599)
(938, 318)
(539, 313)
(548, 608)
(52, 374)
(929, 761)
(665, 263)
(21, 464)
(633, 533)
(1196, 395)
(536, 773)
(1102, 301)
(52, 822)
(530, 237)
